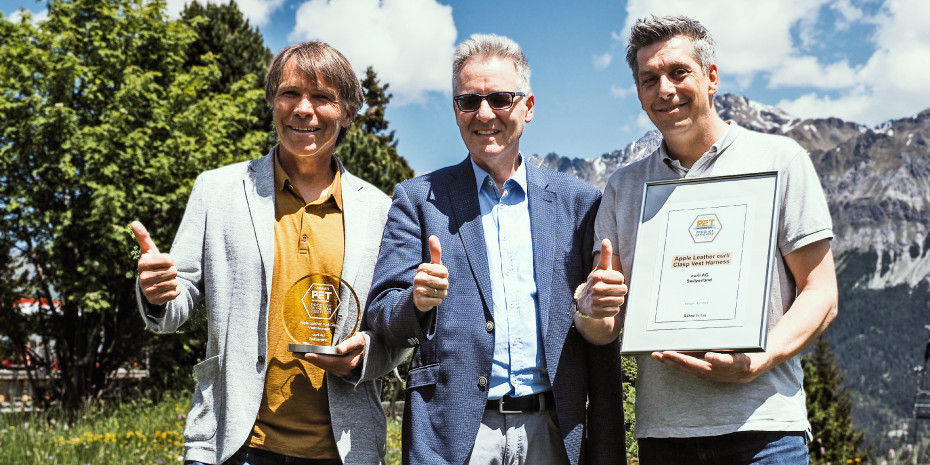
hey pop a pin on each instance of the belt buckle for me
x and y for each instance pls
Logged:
(500, 407)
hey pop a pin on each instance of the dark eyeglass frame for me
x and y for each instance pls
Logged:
(458, 99)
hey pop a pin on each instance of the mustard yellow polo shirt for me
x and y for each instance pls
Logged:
(294, 416)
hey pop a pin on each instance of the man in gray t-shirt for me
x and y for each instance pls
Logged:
(741, 408)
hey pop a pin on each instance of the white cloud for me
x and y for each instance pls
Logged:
(37, 17)
(752, 37)
(849, 13)
(602, 61)
(813, 105)
(643, 123)
(807, 71)
(622, 92)
(409, 43)
(258, 12)
(892, 82)
(755, 41)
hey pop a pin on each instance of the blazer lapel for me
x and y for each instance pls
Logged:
(354, 218)
(542, 219)
(259, 193)
(463, 196)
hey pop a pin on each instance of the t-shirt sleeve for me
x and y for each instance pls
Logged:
(804, 216)
(605, 225)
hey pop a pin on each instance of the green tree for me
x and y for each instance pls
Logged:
(102, 124)
(238, 49)
(369, 150)
(829, 408)
(225, 37)
(628, 365)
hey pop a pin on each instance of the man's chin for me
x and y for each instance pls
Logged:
(487, 152)
(668, 127)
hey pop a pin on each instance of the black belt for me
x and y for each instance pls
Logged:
(526, 404)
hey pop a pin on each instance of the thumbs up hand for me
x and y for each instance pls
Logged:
(157, 274)
(431, 283)
(602, 295)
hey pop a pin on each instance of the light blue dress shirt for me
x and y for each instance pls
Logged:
(519, 367)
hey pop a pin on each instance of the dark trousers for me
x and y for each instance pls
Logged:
(742, 448)
(252, 456)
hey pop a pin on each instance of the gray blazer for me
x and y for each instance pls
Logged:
(224, 253)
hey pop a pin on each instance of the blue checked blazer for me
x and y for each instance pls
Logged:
(447, 386)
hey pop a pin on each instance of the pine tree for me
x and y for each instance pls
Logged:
(224, 37)
(238, 49)
(829, 408)
(369, 150)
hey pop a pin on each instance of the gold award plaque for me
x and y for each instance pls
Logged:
(314, 313)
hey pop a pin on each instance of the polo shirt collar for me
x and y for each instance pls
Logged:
(715, 150)
(282, 183)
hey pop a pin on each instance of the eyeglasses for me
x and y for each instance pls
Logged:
(496, 100)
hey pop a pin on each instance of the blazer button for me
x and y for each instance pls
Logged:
(261, 359)
(482, 381)
(489, 326)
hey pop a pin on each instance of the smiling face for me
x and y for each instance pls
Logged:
(307, 115)
(673, 88)
(492, 136)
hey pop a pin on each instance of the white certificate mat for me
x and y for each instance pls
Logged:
(702, 265)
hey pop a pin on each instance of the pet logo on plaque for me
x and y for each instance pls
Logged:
(314, 312)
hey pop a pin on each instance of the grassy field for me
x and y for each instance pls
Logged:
(145, 432)
(136, 432)
(140, 432)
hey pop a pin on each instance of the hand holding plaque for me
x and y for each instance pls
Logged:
(314, 312)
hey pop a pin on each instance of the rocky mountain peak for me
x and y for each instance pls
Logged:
(754, 115)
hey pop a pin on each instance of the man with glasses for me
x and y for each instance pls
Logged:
(721, 407)
(477, 269)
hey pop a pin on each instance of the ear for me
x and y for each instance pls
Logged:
(530, 104)
(346, 119)
(713, 80)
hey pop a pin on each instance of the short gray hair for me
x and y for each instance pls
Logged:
(648, 31)
(492, 45)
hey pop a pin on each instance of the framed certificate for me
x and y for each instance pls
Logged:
(702, 265)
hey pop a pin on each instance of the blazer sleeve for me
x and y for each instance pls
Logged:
(391, 313)
(605, 389)
(187, 252)
(380, 358)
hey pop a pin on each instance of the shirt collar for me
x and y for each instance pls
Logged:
(282, 183)
(484, 180)
(711, 154)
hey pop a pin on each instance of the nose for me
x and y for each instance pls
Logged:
(485, 113)
(304, 106)
(666, 88)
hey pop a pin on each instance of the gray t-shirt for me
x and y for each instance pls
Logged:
(671, 403)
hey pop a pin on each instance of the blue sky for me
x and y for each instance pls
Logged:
(861, 60)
